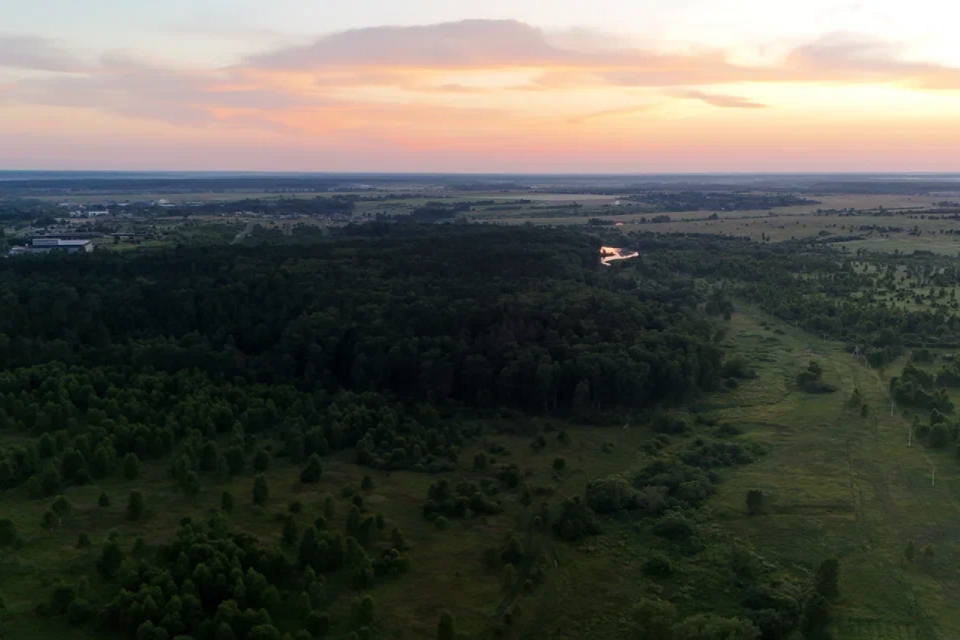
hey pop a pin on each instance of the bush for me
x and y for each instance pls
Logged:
(441, 523)
(755, 502)
(312, 472)
(317, 623)
(80, 611)
(559, 463)
(480, 461)
(104, 500)
(575, 521)
(675, 526)
(226, 502)
(110, 559)
(8, 532)
(261, 490)
(135, 506)
(83, 541)
(658, 566)
(131, 466)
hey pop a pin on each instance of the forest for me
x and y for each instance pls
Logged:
(403, 349)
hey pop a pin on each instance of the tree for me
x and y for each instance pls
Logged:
(317, 623)
(911, 551)
(110, 559)
(312, 472)
(135, 506)
(367, 483)
(261, 459)
(828, 578)
(223, 469)
(756, 502)
(582, 401)
(50, 521)
(480, 461)
(148, 631)
(104, 499)
(445, 628)
(362, 612)
(261, 490)
(191, 483)
(653, 619)
(291, 533)
(62, 506)
(816, 618)
(712, 627)
(50, 481)
(131, 466)
(559, 463)
(8, 532)
(263, 632)
(226, 502)
(329, 507)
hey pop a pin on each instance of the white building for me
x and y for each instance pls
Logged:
(43, 245)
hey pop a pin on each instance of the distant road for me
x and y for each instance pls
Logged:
(240, 237)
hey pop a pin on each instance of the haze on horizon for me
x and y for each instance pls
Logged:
(532, 86)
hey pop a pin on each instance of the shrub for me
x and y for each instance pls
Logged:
(135, 506)
(226, 502)
(8, 532)
(110, 559)
(312, 472)
(755, 502)
(131, 466)
(480, 461)
(658, 565)
(575, 521)
(261, 490)
(674, 526)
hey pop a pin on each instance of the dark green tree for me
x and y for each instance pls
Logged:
(312, 472)
(135, 506)
(110, 559)
(261, 490)
(827, 581)
(131, 466)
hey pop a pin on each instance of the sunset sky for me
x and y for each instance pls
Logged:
(501, 86)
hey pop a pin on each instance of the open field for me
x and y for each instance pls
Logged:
(845, 484)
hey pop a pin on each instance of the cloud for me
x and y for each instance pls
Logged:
(127, 86)
(468, 43)
(719, 100)
(498, 44)
(609, 113)
(34, 53)
(851, 57)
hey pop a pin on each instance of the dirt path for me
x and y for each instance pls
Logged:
(240, 237)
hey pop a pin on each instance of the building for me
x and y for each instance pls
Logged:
(43, 245)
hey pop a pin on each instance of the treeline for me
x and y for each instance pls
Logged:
(677, 201)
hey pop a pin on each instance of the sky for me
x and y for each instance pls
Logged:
(498, 86)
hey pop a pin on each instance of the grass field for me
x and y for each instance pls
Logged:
(846, 485)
